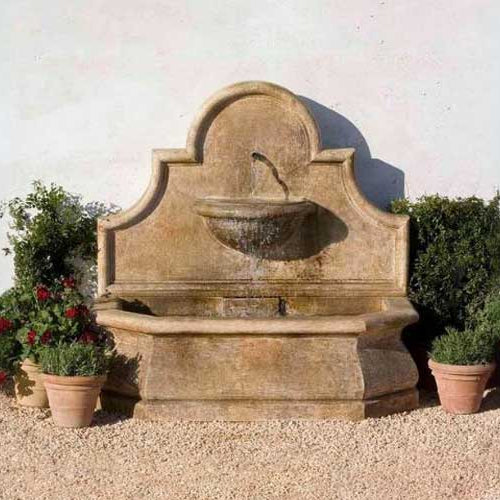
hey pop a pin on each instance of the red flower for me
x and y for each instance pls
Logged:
(68, 282)
(71, 313)
(42, 293)
(5, 324)
(45, 338)
(31, 337)
(88, 337)
(3, 376)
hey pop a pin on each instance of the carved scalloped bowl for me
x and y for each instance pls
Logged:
(251, 225)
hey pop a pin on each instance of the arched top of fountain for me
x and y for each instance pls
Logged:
(244, 90)
(166, 245)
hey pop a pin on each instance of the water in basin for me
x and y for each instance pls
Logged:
(254, 307)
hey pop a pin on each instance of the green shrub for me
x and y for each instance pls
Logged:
(16, 303)
(8, 351)
(13, 307)
(50, 231)
(468, 347)
(489, 318)
(77, 359)
(454, 259)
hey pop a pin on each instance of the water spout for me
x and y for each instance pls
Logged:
(274, 171)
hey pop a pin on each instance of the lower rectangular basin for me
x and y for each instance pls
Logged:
(251, 368)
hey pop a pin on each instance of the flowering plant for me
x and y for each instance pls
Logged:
(31, 319)
(59, 316)
(14, 305)
(7, 347)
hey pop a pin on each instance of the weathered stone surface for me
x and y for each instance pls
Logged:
(253, 280)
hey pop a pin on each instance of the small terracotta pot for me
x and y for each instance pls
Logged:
(28, 385)
(461, 388)
(73, 399)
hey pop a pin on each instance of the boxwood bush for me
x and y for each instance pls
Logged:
(489, 317)
(454, 260)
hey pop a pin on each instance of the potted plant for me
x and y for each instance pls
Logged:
(57, 315)
(454, 260)
(8, 346)
(462, 363)
(52, 234)
(15, 305)
(28, 384)
(73, 376)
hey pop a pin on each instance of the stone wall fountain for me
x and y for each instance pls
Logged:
(253, 280)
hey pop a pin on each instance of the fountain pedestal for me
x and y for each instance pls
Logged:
(236, 299)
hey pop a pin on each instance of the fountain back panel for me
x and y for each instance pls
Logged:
(253, 280)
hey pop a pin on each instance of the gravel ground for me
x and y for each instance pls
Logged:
(424, 454)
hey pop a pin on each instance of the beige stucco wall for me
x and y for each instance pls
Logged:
(89, 87)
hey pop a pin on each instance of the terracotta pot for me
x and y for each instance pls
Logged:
(461, 388)
(28, 385)
(73, 399)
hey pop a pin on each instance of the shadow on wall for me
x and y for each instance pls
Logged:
(380, 182)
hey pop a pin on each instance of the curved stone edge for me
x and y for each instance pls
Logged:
(385, 363)
(369, 211)
(215, 104)
(397, 314)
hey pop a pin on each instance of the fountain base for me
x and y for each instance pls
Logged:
(254, 410)
(306, 366)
